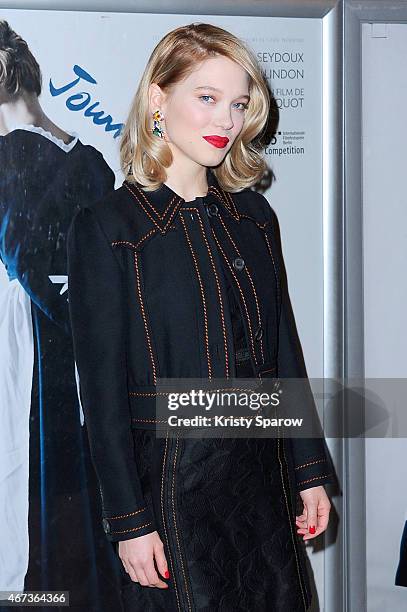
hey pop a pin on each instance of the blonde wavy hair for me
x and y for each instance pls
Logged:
(144, 156)
(19, 70)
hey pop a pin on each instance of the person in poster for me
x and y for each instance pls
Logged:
(401, 571)
(51, 538)
(180, 273)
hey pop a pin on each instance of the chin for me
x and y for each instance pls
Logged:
(217, 156)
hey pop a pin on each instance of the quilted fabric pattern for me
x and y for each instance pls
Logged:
(233, 526)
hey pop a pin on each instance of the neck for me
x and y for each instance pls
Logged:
(24, 109)
(188, 182)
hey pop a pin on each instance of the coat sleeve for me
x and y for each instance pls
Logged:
(311, 462)
(96, 294)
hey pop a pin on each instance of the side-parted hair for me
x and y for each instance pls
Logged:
(19, 70)
(144, 156)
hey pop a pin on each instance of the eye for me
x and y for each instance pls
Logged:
(242, 105)
(200, 97)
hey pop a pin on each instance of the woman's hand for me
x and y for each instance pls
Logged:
(137, 556)
(315, 514)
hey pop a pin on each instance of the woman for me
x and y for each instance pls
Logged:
(179, 274)
(47, 479)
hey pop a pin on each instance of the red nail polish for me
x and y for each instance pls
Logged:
(167, 574)
(312, 529)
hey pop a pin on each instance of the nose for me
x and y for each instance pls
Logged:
(224, 118)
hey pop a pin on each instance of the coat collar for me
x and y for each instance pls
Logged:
(162, 205)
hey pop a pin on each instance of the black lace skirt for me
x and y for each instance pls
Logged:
(223, 515)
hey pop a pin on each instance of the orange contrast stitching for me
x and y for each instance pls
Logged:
(144, 318)
(175, 525)
(149, 420)
(269, 370)
(251, 282)
(260, 225)
(154, 393)
(288, 513)
(241, 293)
(274, 264)
(131, 244)
(152, 231)
(133, 529)
(223, 196)
(113, 518)
(208, 417)
(163, 519)
(219, 194)
(160, 216)
(149, 393)
(232, 202)
(142, 206)
(219, 295)
(203, 298)
(315, 478)
(123, 242)
(310, 463)
(162, 230)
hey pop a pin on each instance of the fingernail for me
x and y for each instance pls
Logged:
(312, 529)
(167, 574)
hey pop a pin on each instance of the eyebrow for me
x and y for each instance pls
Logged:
(206, 87)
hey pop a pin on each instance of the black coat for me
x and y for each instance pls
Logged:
(147, 299)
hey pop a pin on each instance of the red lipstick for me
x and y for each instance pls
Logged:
(217, 141)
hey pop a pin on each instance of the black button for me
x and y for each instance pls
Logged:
(259, 333)
(212, 210)
(238, 263)
(106, 526)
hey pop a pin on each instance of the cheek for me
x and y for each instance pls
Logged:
(198, 115)
(189, 119)
(238, 125)
(239, 121)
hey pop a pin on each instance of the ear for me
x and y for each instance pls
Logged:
(156, 98)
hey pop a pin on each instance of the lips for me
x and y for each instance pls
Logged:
(217, 141)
